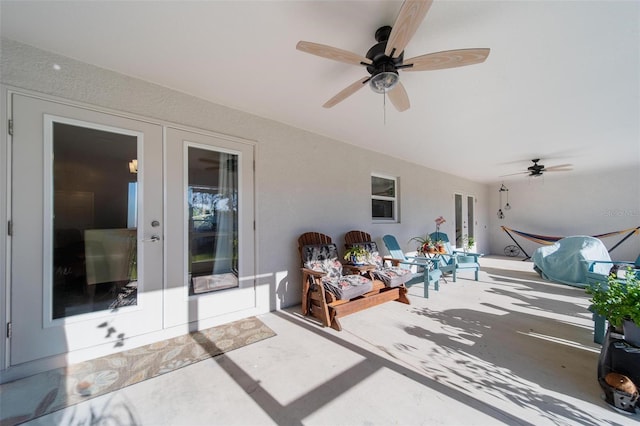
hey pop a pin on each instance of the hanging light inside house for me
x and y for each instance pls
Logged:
(133, 166)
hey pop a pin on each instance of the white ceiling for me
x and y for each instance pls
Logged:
(562, 82)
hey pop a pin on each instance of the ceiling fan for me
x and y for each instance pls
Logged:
(538, 169)
(386, 58)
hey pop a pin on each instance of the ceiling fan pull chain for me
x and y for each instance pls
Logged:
(384, 109)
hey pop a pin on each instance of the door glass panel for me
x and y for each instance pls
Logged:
(470, 220)
(94, 220)
(459, 224)
(212, 212)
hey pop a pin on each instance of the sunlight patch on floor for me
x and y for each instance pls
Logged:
(561, 341)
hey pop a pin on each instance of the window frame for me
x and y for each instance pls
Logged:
(395, 199)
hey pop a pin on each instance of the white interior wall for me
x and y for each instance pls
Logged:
(575, 204)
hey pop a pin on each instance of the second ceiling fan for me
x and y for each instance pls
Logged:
(537, 170)
(386, 58)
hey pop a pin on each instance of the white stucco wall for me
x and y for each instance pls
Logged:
(304, 182)
(575, 204)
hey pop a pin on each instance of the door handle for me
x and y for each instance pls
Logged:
(153, 239)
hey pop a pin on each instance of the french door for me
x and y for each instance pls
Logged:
(87, 215)
(122, 227)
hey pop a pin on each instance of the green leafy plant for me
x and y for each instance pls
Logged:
(356, 254)
(467, 243)
(470, 242)
(617, 300)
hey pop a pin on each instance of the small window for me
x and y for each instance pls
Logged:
(384, 198)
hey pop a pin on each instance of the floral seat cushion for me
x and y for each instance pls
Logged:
(347, 286)
(391, 276)
(324, 258)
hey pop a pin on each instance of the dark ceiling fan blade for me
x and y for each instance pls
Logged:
(332, 53)
(345, 93)
(559, 168)
(446, 59)
(514, 174)
(399, 98)
(411, 15)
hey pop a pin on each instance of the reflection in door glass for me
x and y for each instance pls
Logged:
(471, 232)
(459, 220)
(213, 220)
(94, 223)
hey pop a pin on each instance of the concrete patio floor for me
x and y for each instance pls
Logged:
(509, 349)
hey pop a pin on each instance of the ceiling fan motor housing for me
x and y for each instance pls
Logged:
(537, 169)
(382, 62)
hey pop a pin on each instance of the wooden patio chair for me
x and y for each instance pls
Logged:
(355, 237)
(391, 276)
(327, 294)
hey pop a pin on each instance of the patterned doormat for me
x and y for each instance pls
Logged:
(53, 390)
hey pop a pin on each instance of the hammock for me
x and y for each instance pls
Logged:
(548, 240)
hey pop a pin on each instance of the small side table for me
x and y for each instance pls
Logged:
(359, 269)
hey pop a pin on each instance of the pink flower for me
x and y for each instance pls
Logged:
(440, 220)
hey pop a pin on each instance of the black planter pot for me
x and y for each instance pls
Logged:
(631, 332)
(618, 356)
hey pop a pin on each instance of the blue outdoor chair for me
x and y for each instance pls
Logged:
(454, 260)
(598, 271)
(424, 274)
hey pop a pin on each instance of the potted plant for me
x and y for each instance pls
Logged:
(425, 245)
(467, 243)
(470, 242)
(356, 255)
(619, 302)
(440, 247)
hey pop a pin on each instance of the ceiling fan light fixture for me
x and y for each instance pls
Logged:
(384, 81)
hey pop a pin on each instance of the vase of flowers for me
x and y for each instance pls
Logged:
(425, 245)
